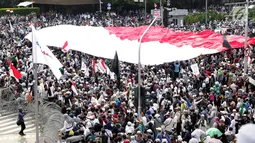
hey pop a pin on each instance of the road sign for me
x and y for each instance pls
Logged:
(109, 5)
(109, 8)
(168, 3)
(156, 13)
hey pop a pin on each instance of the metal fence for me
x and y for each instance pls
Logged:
(51, 120)
(50, 117)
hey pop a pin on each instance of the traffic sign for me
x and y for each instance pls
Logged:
(109, 5)
(109, 8)
(168, 3)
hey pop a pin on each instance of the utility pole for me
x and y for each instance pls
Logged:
(145, 9)
(161, 11)
(246, 47)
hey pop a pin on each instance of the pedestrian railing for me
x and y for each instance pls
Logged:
(51, 121)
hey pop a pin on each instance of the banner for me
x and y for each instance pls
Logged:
(195, 69)
(252, 81)
(156, 13)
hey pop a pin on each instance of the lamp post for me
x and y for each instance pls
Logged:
(246, 48)
(100, 6)
(145, 9)
(206, 11)
(161, 11)
(139, 67)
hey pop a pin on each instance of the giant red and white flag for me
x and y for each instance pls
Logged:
(43, 55)
(159, 45)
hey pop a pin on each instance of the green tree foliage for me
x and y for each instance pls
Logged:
(200, 17)
(20, 11)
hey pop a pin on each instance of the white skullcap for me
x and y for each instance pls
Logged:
(246, 134)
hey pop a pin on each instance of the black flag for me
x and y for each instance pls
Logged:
(226, 43)
(116, 68)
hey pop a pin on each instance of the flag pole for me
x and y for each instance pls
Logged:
(139, 67)
(36, 103)
(36, 96)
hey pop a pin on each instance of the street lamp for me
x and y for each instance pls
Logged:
(139, 67)
(206, 11)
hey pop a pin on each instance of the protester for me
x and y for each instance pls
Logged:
(21, 122)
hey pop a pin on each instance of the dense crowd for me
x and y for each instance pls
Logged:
(209, 108)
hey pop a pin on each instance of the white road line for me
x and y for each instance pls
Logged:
(16, 130)
(12, 120)
(27, 119)
(9, 115)
(12, 126)
(16, 137)
(4, 113)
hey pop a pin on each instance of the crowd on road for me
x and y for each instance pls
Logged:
(213, 107)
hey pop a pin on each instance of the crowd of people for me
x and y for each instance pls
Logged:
(208, 108)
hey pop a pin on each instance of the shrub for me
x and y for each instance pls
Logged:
(200, 17)
(20, 11)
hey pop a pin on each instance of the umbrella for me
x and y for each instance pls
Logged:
(213, 131)
(214, 141)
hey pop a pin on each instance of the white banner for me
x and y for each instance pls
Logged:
(195, 69)
(252, 81)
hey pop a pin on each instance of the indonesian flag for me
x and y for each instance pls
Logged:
(94, 66)
(155, 5)
(73, 87)
(14, 72)
(102, 67)
(168, 44)
(43, 55)
(11, 11)
(64, 48)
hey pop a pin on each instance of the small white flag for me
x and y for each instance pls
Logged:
(11, 28)
(85, 69)
(43, 55)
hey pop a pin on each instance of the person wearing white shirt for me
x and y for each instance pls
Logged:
(169, 124)
(129, 129)
(197, 133)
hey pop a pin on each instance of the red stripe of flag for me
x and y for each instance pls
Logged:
(103, 64)
(64, 48)
(15, 72)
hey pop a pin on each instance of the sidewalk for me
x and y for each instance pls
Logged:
(15, 138)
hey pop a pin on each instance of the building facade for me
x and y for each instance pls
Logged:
(66, 2)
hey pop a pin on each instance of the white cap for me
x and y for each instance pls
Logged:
(246, 134)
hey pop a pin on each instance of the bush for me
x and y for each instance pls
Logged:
(21, 11)
(200, 17)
